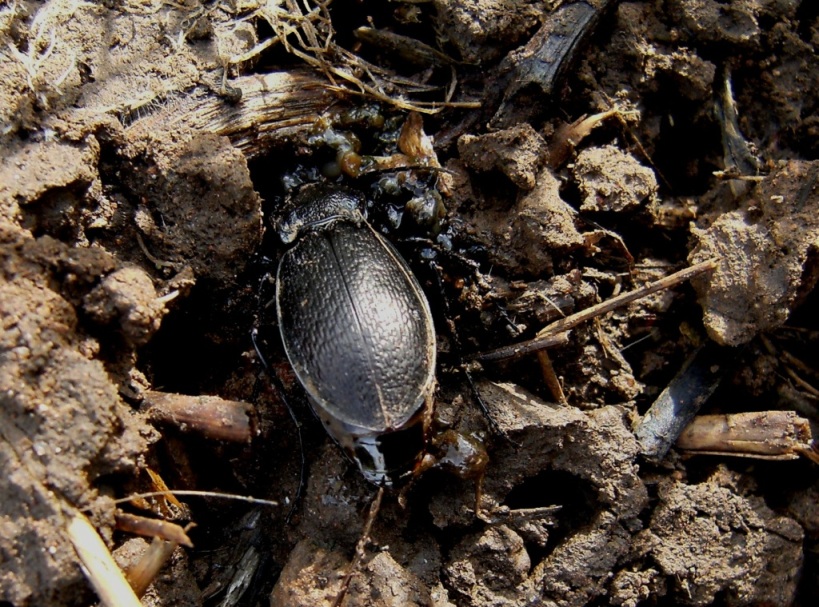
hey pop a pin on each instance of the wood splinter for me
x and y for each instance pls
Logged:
(100, 568)
(210, 416)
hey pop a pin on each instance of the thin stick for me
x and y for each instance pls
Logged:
(798, 364)
(99, 566)
(144, 572)
(359, 547)
(519, 349)
(504, 515)
(807, 387)
(557, 333)
(227, 496)
(564, 324)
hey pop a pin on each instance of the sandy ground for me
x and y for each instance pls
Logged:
(136, 188)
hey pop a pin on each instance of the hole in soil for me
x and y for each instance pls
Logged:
(778, 481)
(578, 501)
(806, 14)
(184, 356)
(56, 214)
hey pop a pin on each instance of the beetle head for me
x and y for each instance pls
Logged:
(316, 206)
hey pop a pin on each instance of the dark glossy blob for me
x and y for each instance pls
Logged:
(358, 332)
(355, 327)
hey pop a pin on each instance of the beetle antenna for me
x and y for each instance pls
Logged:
(277, 384)
(279, 387)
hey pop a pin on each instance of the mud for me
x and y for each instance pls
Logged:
(135, 255)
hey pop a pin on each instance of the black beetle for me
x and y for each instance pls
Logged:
(357, 330)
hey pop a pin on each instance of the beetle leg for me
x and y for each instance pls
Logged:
(493, 424)
(457, 349)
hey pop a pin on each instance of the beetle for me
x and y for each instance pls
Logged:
(357, 330)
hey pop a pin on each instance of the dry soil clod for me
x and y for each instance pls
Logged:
(122, 122)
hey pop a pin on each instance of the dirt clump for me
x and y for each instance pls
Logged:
(128, 296)
(51, 378)
(144, 147)
(188, 193)
(517, 152)
(708, 539)
(767, 252)
(523, 230)
(613, 181)
(483, 30)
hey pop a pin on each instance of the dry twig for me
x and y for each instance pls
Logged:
(564, 324)
(211, 416)
(305, 30)
(274, 107)
(151, 527)
(775, 435)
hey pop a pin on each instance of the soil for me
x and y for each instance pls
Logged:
(136, 249)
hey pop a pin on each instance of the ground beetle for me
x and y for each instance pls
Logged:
(357, 330)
